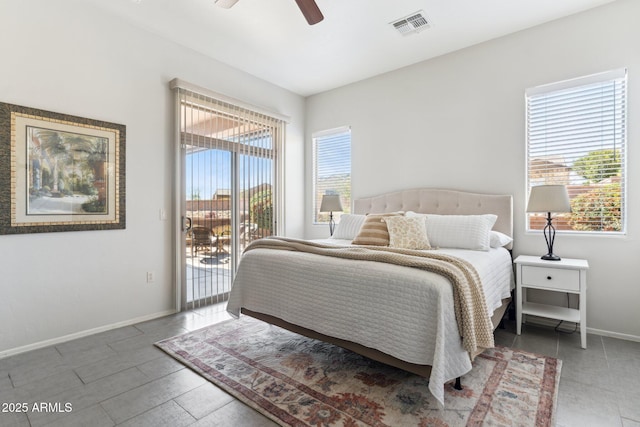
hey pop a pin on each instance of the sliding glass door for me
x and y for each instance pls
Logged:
(227, 175)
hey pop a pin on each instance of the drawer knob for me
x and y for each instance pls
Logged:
(548, 277)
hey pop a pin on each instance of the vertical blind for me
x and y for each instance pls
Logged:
(230, 175)
(576, 136)
(332, 170)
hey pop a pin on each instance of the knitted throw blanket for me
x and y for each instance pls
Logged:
(474, 322)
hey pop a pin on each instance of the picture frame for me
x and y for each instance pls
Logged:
(60, 172)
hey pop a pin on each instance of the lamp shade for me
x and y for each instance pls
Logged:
(549, 198)
(330, 203)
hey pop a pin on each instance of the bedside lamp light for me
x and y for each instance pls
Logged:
(549, 198)
(331, 203)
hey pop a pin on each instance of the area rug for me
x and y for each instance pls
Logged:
(297, 381)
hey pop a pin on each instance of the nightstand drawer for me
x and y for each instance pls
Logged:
(556, 278)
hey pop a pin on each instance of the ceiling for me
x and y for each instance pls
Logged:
(270, 39)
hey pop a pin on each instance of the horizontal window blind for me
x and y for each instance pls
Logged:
(576, 136)
(332, 170)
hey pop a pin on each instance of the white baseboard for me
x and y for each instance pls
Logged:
(550, 322)
(81, 334)
(610, 334)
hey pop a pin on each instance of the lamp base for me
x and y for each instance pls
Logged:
(550, 257)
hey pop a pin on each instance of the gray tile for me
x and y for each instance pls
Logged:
(118, 363)
(209, 315)
(203, 400)
(91, 394)
(622, 375)
(14, 395)
(211, 311)
(5, 381)
(621, 349)
(537, 339)
(175, 320)
(148, 396)
(93, 416)
(35, 357)
(572, 342)
(97, 340)
(504, 338)
(43, 389)
(14, 419)
(588, 371)
(235, 413)
(25, 374)
(587, 366)
(147, 339)
(582, 406)
(88, 356)
(630, 423)
(167, 414)
(203, 321)
(160, 367)
(629, 403)
(16, 416)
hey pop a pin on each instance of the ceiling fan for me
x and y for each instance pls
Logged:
(309, 9)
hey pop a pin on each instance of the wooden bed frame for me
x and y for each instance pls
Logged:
(424, 200)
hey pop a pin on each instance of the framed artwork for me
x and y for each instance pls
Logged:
(59, 172)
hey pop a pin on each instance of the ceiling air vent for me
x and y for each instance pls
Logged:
(413, 23)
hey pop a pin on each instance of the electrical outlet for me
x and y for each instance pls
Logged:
(151, 277)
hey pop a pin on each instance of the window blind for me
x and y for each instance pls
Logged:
(229, 174)
(332, 170)
(576, 136)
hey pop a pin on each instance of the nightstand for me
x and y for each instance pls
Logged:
(567, 275)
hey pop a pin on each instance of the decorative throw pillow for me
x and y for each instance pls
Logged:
(459, 231)
(407, 233)
(374, 231)
(348, 227)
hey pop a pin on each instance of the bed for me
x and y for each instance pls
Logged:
(399, 315)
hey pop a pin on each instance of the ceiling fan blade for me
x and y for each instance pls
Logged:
(226, 3)
(310, 10)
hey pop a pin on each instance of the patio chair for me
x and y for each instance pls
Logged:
(249, 232)
(201, 239)
(222, 239)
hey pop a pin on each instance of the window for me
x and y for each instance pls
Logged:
(576, 136)
(331, 170)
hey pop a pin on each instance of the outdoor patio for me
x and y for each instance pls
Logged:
(208, 273)
(209, 262)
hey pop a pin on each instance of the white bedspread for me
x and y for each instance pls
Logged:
(405, 312)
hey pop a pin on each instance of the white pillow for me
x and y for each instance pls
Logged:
(459, 231)
(407, 233)
(348, 227)
(499, 239)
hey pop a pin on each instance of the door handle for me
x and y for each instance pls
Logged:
(186, 220)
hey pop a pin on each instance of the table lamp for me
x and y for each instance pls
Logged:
(549, 198)
(331, 203)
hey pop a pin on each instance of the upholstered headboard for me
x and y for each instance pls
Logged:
(442, 202)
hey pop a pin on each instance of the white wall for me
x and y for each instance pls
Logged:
(457, 121)
(63, 56)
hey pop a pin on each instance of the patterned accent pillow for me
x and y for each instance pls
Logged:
(407, 233)
(374, 231)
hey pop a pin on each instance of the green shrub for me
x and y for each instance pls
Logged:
(597, 210)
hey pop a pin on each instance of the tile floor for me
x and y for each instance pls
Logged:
(119, 378)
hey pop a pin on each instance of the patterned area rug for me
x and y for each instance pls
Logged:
(297, 381)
